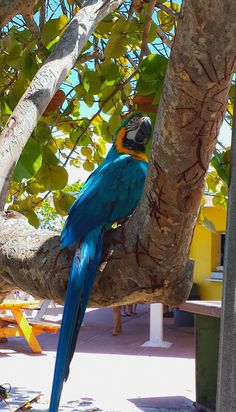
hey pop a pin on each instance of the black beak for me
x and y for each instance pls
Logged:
(144, 132)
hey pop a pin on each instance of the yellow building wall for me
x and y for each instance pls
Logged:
(205, 252)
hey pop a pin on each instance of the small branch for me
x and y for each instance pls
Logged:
(63, 7)
(95, 45)
(163, 37)
(220, 144)
(132, 62)
(146, 29)
(32, 26)
(170, 12)
(42, 14)
(96, 54)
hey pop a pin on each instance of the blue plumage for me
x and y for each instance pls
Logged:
(111, 193)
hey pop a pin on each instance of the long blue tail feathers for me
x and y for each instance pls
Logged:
(79, 288)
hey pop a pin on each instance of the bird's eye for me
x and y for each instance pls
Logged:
(134, 120)
(133, 123)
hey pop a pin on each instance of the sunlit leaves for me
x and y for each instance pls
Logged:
(28, 64)
(221, 163)
(27, 207)
(79, 123)
(118, 40)
(166, 20)
(152, 75)
(62, 202)
(54, 28)
(88, 166)
(52, 177)
(91, 82)
(114, 122)
(29, 162)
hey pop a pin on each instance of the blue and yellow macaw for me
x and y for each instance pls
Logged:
(110, 194)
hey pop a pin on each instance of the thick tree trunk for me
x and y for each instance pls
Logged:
(147, 259)
(32, 260)
(154, 246)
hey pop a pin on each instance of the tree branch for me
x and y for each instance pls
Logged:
(32, 26)
(44, 268)
(164, 37)
(96, 54)
(42, 14)
(146, 29)
(8, 9)
(168, 10)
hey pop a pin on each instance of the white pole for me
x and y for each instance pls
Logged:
(156, 328)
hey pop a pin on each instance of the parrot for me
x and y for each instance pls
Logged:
(110, 194)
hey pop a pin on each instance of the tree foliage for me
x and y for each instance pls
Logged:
(110, 78)
(122, 68)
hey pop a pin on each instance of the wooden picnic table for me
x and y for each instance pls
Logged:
(19, 325)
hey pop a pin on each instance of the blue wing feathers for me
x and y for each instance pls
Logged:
(111, 193)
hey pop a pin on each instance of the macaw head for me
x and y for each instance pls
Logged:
(133, 134)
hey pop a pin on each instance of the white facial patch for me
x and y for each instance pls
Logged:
(132, 127)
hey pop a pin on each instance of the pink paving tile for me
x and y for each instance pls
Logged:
(116, 371)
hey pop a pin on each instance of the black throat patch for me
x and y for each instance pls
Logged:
(132, 145)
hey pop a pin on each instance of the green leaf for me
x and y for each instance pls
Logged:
(49, 158)
(212, 181)
(221, 163)
(18, 89)
(166, 20)
(28, 65)
(53, 28)
(153, 67)
(52, 177)
(114, 122)
(32, 218)
(29, 161)
(105, 26)
(87, 152)
(5, 109)
(88, 166)
(110, 72)
(62, 202)
(91, 82)
(111, 106)
(14, 57)
(116, 45)
(42, 134)
(146, 88)
(33, 187)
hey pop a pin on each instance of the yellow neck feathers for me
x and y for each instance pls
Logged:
(122, 149)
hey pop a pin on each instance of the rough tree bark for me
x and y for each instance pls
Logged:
(44, 85)
(8, 9)
(147, 259)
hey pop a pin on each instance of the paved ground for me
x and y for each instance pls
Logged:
(109, 373)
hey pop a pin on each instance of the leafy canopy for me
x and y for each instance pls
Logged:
(121, 69)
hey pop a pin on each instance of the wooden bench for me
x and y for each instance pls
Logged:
(19, 325)
(207, 334)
